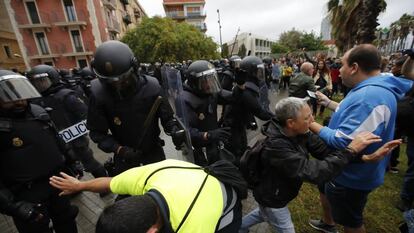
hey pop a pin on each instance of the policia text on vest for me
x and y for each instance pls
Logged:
(74, 131)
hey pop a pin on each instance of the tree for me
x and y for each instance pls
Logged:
(164, 39)
(311, 42)
(291, 39)
(279, 48)
(242, 51)
(354, 21)
(367, 22)
(294, 40)
(225, 50)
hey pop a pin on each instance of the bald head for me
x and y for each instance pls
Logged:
(366, 56)
(307, 68)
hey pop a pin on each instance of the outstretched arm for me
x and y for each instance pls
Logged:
(69, 184)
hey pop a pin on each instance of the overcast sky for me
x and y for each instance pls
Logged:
(269, 18)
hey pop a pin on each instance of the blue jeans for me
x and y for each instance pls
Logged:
(407, 191)
(409, 219)
(279, 219)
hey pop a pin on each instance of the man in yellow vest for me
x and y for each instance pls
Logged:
(168, 196)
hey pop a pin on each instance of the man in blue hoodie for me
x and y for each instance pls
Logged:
(370, 106)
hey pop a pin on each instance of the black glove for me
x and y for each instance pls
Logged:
(252, 125)
(74, 168)
(28, 211)
(178, 138)
(220, 134)
(240, 78)
(129, 154)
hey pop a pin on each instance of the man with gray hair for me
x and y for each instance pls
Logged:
(285, 162)
(302, 82)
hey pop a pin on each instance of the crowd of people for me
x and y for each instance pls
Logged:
(45, 147)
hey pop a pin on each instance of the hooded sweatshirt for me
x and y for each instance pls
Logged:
(370, 106)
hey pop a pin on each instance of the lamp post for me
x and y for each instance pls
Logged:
(219, 23)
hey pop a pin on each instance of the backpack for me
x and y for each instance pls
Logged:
(250, 163)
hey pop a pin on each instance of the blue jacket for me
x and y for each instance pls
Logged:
(370, 106)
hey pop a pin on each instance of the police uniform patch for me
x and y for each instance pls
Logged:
(17, 142)
(201, 116)
(117, 121)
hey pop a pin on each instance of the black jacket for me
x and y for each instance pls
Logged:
(286, 165)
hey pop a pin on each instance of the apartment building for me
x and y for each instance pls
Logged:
(65, 33)
(10, 54)
(190, 11)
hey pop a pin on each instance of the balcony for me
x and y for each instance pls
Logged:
(33, 53)
(175, 14)
(196, 14)
(202, 27)
(24, 22)
(110, 4)
(80, 20)
(81, 50)
(113, 26)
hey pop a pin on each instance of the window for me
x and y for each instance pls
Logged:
(77, 41)
(49, 63)
(42, 43)
(69, 10)
(31, 8)
(8, 52)
(82, 63)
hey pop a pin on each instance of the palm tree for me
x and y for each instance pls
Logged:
(344, 20)
(352, 23)
(367, 20)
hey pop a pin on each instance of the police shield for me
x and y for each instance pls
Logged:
(173, 87)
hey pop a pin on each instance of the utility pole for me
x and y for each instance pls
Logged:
(219, 23)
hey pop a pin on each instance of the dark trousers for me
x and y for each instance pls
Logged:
(407, 191)
(395, 154)
(54, 207)
(285, 82)
(80, 151)
(237, 143)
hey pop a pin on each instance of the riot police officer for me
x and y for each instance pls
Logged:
(86, 76)
(228, 73)
(246, 104)
(201, 94)
(30, 154)
(125, 108)
(66, 110)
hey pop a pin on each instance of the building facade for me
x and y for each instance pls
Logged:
(190, 11)
(65, 33)
(10, 53)
(255, 45)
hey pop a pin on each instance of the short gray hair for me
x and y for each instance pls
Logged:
(289, 108)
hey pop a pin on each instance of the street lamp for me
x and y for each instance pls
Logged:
(221, 45)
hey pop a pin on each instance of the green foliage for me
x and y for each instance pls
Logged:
(294, 40)
(291, 39)
(164, 39)
(279, 48)
(311, 42)
(242, 51)
(225, 50)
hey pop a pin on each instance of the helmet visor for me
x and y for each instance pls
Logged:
(41, 82)
(115, 78)
(236, 63)
(260, 73)
(16, 87)
(208, 82)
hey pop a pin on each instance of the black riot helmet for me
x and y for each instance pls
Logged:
(202, 76)
(15, 87)
(87, 74)
(43, 77)
(115, 64)
(253, 67)
(235, 61)
(267, 60)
